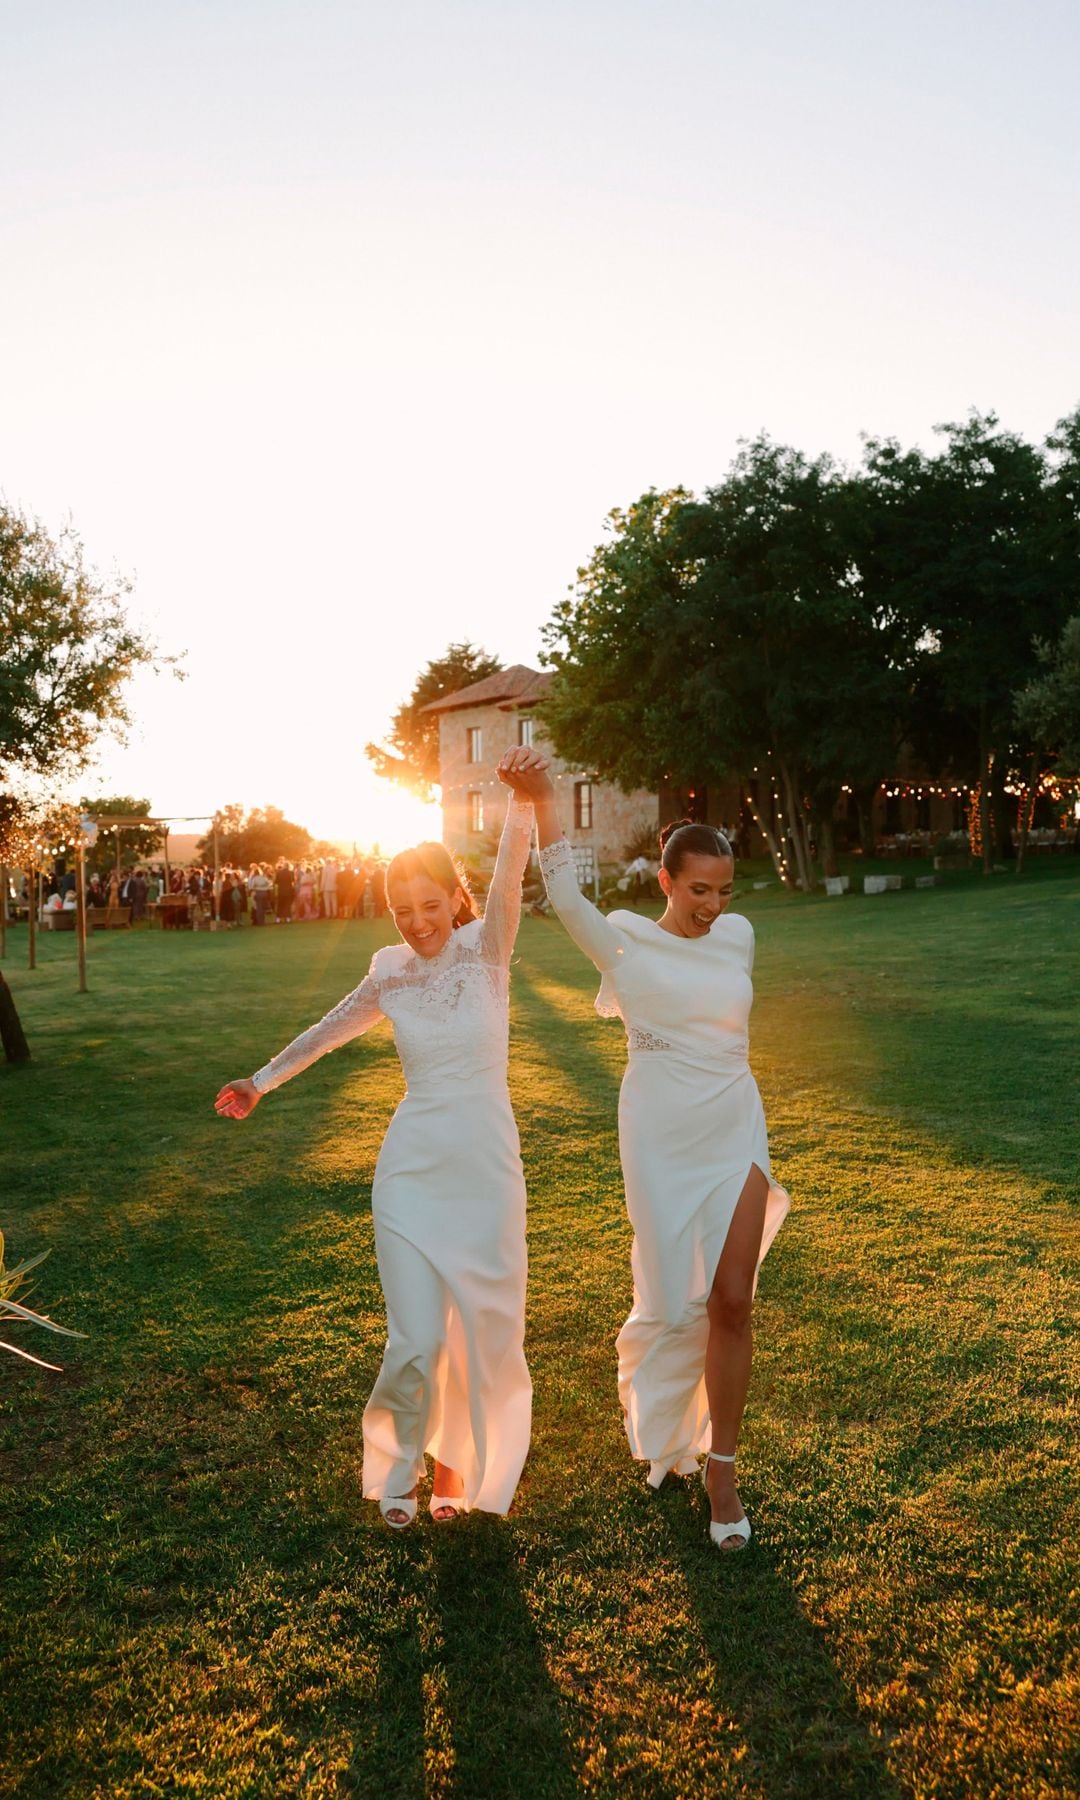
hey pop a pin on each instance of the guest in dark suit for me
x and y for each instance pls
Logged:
(284, 889)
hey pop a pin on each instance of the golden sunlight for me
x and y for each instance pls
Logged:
(375, 815)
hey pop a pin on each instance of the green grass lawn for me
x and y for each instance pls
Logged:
(195, 1600)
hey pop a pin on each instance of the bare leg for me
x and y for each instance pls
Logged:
(730, 1346)
(448, 1483)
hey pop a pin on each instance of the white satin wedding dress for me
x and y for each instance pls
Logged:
(691, 1126)
(448, 1202)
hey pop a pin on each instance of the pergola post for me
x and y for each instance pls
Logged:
(217, 875)
(80, 912)
(31, 916)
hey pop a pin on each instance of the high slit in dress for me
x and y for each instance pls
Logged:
(447, 1201)
(691, 1128)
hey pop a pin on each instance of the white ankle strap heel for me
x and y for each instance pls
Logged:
(719, 1533)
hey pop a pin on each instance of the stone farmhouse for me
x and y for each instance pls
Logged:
(476, 726)
(478, 723)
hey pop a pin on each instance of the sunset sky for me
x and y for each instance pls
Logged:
(340, 328)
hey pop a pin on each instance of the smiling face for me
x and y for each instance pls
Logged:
(698, 894)
(423, 912)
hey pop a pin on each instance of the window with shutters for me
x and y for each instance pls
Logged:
(583, 805)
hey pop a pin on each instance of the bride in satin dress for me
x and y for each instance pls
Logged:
(448, 1196)
(695, 1153)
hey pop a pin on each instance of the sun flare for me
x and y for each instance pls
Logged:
(376, 816)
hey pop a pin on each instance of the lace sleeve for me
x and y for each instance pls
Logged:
(348, 1019)
(587, 926)
(502, 913)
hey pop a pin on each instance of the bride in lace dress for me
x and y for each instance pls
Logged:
(695, 1153)
(448, 1197)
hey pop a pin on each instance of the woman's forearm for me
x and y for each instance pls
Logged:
(548, 824)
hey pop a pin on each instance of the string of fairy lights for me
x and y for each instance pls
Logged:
(1063, 790)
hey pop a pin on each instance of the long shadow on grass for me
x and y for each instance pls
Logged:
(464, 1670)
(506, 1717)
(771, 1670)
(557, 1031)
(951, 1075)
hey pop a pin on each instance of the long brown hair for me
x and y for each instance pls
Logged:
(436, 863)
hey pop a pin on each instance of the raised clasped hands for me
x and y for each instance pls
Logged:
(526, 771)
(237, 1099)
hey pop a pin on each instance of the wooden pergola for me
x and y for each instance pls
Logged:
(120, 822)
(92, 823)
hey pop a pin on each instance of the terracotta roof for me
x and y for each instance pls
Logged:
(508, 687)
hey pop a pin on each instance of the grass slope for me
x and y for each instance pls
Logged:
(196, 1602)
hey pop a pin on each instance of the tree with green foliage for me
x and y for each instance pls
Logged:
(1048, 708)
(793, 668)
(975, 547)
(138, 843)
(259, 835)
(67, 652)
(730, 637)
(608, 708)
(410, 755)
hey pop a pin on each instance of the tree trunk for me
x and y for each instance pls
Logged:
(864, 798)
(32, 917)
(16, 1048)
(823, 804)
(3, 909)
(798, 828)
(1027, 811)
(767, 834)
(826, 835)
(986, 762)
(1000, 831)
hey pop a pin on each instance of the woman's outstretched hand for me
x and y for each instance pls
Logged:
(236, 1099)
(526, 771)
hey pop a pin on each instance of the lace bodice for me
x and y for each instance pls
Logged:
(450, 1012)
(686, 997)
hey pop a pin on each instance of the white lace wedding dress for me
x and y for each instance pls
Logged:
(448, 1202)
(691, 1125)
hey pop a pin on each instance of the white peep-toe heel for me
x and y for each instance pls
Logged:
(439, 1501)
(406, 1505)
(719, 1533)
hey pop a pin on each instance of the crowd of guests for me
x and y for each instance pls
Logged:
(137, 888)
(291, 892)
(284, 892)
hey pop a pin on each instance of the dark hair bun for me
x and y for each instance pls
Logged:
(666, 830)
(688, 837)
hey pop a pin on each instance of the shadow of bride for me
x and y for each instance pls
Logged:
(770, 1668)
(504, 1719)
(465, 1704)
